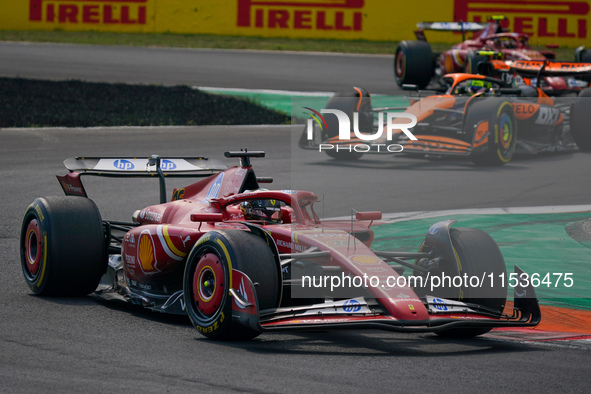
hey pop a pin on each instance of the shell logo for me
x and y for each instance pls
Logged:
(145, 254)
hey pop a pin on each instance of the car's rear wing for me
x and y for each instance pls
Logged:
(462, 27)
(546, 68)
(136, 167)
(451, 26)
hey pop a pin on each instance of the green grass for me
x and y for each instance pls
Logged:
(221, 42)
(38, 103)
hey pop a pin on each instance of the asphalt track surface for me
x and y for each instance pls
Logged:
(81, 344)
(206, 67)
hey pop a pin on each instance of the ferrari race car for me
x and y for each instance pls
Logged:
(484, 118)
(240, 260)
(416, 64)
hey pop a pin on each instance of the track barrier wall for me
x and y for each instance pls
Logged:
(561, 22)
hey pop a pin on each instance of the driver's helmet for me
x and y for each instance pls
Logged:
(478, 86)
(268, 211)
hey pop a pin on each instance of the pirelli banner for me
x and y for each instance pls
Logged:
(562, 22)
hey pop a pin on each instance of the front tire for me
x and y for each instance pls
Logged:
(62, 246)
(351, 101)
(208, 276)
(500, 131)
(478, 256)
(580, 119)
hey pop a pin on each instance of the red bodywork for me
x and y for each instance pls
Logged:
(155, 251)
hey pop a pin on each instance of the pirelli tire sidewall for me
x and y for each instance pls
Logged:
(211, 245)
(34, 231)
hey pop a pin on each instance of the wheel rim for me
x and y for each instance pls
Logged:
(399, 66)
(33, 248)
(208, 284)
(506, 132)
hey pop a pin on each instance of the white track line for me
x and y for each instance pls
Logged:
(405, 216)
(263, 91)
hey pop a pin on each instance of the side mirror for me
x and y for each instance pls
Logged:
(371, 215)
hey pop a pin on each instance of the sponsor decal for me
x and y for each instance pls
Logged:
(89, 12)
(548, 116)
(146, 252)
(212, 327)
(537, 18)
(178, 194)
(439, 304)
(148, 214)
(39, 213)
(290, 245)
(215, 188)
(323, 15)
(352, 306)
(122, 164)
(71, 189)
(130, 238)
(365, 260)
(129, 259)
(167, 165)
(434, 229)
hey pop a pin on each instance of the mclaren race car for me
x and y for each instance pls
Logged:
(240, 260)
(416, 64)
(484, 118)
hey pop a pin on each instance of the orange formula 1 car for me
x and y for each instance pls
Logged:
(483, 118)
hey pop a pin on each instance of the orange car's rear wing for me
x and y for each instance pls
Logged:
(538, 68)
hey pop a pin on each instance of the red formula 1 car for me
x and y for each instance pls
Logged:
(240, 261)
(416, 64)
(484, 118)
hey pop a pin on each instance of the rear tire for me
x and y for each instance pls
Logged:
(502, 131)
(583, 55)
(472, 62)
(580, 119)
(478, 256)
(355, 100)
(413, 63)
(63, 246)
(207, 277)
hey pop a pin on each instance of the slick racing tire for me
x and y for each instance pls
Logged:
(500, 135)
(355, 100)
(583, 55)
(413, 63)
(207, 281)
(472, 62)
(63, 246)
(580, 119)
(479, 256)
